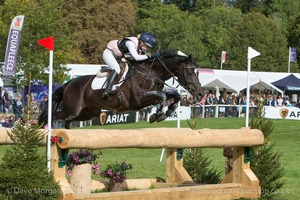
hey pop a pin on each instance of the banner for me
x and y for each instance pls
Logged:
(223, 56)
(293, 54)
(12, 47)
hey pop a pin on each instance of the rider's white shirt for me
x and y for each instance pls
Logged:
(133, 51)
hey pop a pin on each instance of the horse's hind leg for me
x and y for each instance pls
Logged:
(172, 107)
(159, 115)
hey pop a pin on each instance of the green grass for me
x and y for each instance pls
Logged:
(146, 164)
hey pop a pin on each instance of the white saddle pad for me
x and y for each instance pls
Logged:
(98, 82)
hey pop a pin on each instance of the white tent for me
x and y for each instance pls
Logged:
(235, 81)
(83, 69)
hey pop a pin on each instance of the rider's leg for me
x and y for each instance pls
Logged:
(109, 83)
(111, 61)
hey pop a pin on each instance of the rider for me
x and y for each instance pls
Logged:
(128, 47)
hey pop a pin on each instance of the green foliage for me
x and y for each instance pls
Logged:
(23, 170)
(95, 22)
(175, 30)
(262, 34)
(265, 161)
(217, 24)
(202, 28)
(42, 19)
(197, 165)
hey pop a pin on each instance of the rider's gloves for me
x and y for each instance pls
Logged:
(154, 55)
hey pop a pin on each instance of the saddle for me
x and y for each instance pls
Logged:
(105, 71)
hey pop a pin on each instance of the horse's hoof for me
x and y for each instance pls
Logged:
(152, 118)
(162, 117)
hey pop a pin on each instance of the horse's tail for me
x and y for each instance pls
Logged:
(57, 98)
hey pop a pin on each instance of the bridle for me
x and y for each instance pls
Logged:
(185, 73)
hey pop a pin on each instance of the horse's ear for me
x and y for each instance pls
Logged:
(190, 56)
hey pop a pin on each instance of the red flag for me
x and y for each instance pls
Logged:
(47, 43)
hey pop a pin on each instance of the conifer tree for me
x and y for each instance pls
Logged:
(197, 163)
(23, 170)
(265, 161)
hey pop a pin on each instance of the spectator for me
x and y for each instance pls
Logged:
(209, 102)
(44, 103)
(6, 97)
(18, 107)
(279, 101)
(7, 123)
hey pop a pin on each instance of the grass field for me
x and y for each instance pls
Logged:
(146, 162)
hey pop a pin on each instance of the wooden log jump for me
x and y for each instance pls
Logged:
(235, 185)
(158, 138)
(241, 182)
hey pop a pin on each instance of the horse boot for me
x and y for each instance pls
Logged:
(109, 83)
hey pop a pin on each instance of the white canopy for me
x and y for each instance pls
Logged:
(235, 81)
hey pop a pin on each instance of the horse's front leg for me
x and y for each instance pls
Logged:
(175, 97)
(159, 115)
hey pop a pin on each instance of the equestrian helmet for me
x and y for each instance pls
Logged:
(149, 39)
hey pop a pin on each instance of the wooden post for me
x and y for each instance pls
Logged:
(60, 174)
(176, 173)
(81, 179)
(241, 172)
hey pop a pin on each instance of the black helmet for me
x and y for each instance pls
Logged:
(149, 39)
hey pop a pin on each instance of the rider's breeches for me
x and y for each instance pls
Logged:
(110, 60)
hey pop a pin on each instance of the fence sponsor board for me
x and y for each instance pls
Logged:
(282, 112)
(109, 117)
(185, 113)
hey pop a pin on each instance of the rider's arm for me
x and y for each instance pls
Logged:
(131, 47)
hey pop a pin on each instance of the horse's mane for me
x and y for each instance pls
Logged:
(167, 53)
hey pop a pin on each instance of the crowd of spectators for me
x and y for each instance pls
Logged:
(12, 108)
(233, 104)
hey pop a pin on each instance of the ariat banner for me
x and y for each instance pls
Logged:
(11, 54)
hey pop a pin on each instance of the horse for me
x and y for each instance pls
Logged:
(142, 87)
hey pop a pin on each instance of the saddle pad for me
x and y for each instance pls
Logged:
(98, 82)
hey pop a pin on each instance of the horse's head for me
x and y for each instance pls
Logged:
(184, 68)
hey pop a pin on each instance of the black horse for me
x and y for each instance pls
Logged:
(142, 87)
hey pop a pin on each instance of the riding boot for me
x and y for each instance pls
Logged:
(109, 83)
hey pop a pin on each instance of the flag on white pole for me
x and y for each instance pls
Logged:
(49, 44)
(12, 47)
(223, 57)
(293, 55)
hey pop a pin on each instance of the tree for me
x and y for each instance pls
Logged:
(197, 164)
(96, 22)
(175, 30)
(265, 161)
(42, 19)
(217, 24)
(247, 6)
(23, 170)
(262, 34)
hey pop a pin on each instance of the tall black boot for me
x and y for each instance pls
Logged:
(109, 83)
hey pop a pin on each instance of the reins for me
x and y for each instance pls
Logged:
(168, 70)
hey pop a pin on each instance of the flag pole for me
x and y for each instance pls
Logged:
(251, 54)
(289, 63)
(49, 110)
(49, 44)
